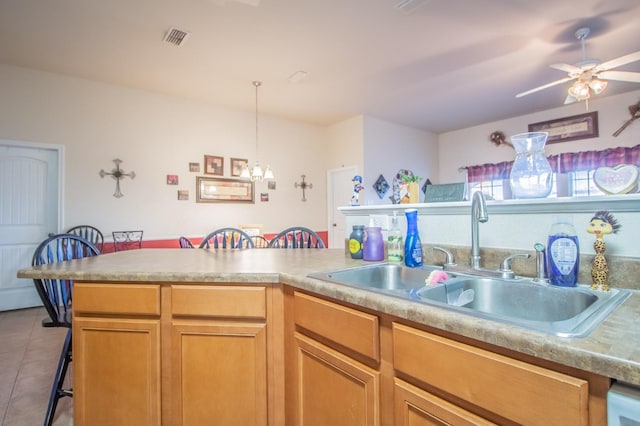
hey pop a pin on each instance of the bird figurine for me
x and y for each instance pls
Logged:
(601, 224)
(634, 110)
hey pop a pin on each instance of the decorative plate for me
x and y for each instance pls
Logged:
(381, 186)
(616, 180)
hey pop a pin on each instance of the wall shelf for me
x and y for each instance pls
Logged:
(612, 203)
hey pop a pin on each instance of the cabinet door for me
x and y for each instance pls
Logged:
(219, 373)
(334, 389)
(116, 372)
(416, 407)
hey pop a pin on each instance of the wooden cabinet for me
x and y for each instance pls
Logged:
(219, 355)
(355, 367)
(506, 387)
(116, 355)
(174, 355)
(331, 386)
(416, 407)
(334, 389)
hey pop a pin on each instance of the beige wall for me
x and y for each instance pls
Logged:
(155, 135)
(471, 146)
(378, 147)
(391, 147)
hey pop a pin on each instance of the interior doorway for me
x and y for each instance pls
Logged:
(30, 209)
(339, 195)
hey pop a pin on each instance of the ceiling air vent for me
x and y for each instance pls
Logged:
(176, 36)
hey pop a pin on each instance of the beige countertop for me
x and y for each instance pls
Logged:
(612, 349)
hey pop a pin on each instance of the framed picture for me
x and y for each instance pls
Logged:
(194, 167)
(219, 190)
(237, 165)
(183, 194)
(213, 165)
(582, 126)
(172, 179)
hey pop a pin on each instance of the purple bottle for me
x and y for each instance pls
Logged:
(372, 244)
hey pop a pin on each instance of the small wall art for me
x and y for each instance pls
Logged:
(213, 165)
(237, 165)
(216, 190)
(271, 185)
(381, 186)
(172, 179)
(582, 126)
(194, 167)
(183, 194)
(264, 197)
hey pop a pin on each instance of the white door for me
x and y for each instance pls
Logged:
(29, 211)
(339, 195)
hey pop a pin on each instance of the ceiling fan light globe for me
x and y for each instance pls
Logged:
(598, 85)
(580, 91)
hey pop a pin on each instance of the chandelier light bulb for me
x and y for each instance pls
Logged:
(256, 174)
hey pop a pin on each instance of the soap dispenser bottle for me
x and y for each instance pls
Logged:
(563, 253)
(413, 245)
(355, 241)
(394, 241)
(372, 244)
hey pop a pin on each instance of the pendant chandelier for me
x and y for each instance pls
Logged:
(256, 173)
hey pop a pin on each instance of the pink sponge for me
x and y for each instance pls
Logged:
(435, 277)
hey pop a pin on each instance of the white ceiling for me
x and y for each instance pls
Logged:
(447, 65)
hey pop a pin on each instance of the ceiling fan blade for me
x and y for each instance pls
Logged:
(567, 68)
(633, 77)
(622, 60)
(545, 86)
(569, 100)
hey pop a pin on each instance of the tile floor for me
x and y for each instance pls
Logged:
(28, 359)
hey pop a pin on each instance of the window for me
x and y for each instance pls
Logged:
(581, 184)
(491, 188)
(573, 172)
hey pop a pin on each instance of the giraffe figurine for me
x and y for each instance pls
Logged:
(601, 224)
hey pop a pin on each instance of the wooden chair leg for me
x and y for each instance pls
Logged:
(57, 391)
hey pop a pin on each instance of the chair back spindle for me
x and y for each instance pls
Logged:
(297, 237)
(223, 238)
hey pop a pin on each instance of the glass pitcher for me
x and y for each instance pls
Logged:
(531, 173)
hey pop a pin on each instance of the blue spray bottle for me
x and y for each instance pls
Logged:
(412, 245)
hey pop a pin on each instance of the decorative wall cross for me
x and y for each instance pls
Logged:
(117, 174)
(304, 185)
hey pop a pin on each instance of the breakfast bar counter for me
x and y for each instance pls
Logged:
(611, 350)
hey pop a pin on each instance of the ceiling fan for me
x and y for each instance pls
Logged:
(590, 75)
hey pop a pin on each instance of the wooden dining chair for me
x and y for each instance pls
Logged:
(259, 241)
(185, 242)
(89, 233)
(56, 296)
(232, 238)
(297, 237)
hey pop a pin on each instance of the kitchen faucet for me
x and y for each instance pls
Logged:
(478, 214)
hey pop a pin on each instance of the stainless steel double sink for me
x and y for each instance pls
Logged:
(560, 311)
